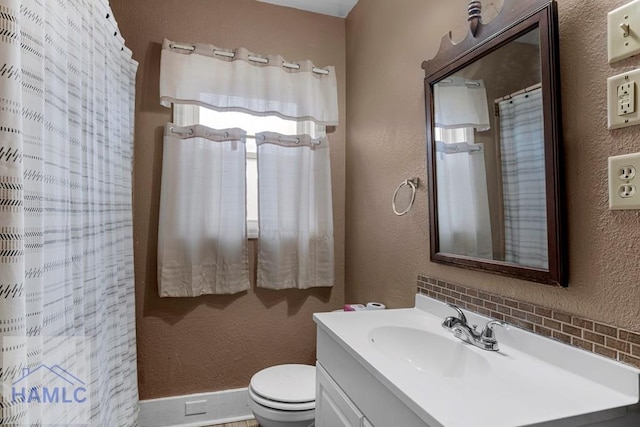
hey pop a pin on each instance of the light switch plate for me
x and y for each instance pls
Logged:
(619, 116)
(621, 21)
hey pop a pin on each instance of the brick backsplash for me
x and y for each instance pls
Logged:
(590, 335)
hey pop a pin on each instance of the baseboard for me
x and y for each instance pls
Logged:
(207, 408)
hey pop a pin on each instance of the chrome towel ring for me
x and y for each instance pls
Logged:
(413, 183)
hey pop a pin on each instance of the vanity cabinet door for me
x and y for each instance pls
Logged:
(333, 407)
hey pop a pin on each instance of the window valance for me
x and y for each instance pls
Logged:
(217, 78)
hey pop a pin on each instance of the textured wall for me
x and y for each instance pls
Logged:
(386, 43)
(189, 345)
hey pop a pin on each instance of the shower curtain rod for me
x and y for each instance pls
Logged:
(518, 92)
(258, 59)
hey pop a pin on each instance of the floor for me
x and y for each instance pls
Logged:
(249, 423)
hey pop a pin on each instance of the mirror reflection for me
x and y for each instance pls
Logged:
(490, 160)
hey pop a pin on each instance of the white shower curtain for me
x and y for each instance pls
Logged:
(202, 233)
(522, 150)
(295, 243)
(66, 264)
(295, 248)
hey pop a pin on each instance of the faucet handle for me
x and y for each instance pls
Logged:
(488, 333)
(461, 315)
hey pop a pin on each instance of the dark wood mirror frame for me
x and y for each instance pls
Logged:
(516, 18)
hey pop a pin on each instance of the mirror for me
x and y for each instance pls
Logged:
(493, 132)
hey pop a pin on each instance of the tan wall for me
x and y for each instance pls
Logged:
(189, 345)
(386, 43)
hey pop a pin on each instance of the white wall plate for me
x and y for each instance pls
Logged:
(623, 29)
(628, 115)
(624, 182)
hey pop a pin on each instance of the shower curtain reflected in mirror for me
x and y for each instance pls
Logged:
(523, 177)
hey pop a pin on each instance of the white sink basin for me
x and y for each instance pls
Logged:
(448, 383)
(429, 353)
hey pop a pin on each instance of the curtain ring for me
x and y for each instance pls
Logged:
(413, 183)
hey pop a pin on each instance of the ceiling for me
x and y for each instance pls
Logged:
(339, 8)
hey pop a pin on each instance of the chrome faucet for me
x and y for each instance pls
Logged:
(486, 339)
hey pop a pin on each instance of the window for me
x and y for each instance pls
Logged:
(185, 115)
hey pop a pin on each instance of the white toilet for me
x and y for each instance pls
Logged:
(284, 396)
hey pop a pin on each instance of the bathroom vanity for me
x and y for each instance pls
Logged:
(401, 368)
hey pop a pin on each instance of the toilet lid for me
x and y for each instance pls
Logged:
(286, 383)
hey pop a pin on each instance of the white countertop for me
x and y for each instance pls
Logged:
(532, 380)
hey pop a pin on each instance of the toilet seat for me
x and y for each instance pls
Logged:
(281, 406)
(285, 387)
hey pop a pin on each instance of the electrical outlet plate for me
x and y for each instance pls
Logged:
(624, 181)
(621, 21)
(627, 98)
(621, 107)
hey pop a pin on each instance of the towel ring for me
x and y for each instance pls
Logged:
(413, 183)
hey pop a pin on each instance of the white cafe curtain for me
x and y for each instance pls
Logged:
(461, 103)
(464, 224)
(67, 311)
(295, 243)
(295, 247)
(202, 237)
